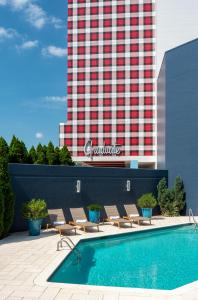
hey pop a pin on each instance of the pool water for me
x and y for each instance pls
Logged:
(157, 259)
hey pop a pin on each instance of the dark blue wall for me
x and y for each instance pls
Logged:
(161, 117)
(181, 117)
(57, 185)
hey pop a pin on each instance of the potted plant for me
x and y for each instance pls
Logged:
(147, 202)
(34, 211)
(94, 212)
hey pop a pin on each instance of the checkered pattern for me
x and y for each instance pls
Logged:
(111, 71)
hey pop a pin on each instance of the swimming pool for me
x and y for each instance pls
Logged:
(155, 259)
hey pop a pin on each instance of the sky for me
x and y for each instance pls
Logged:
(33, 61)
(32, 69)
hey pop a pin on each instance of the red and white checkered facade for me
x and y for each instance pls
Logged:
(111, 78)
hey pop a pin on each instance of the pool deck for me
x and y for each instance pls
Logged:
(26, 263)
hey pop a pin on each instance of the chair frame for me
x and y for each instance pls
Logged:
(115, 212)
(59, 215)
(136, 219)
(79, 213)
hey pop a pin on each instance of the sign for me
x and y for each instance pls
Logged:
(90, 150)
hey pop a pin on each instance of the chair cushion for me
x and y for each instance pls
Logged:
(81, 221)
(134, 215)
(114, 217)
(58, 223)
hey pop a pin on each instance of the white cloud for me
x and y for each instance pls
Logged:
(58, 23)
(7, 33)
(35, 15)
(39, 135)
(18, 4)
(47, 102)
(3, 2)
(55, 99)
(54, 51)
(28, 45)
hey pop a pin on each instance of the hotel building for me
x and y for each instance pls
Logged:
(111, 90)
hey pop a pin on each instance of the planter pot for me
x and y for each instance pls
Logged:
(147, 212)
(94, 216)
(34, 227)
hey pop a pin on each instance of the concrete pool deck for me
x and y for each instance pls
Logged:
(26, 263)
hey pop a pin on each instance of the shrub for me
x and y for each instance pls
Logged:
(35, 209)
(147, 201)
(161, 188)
(1, 213)
(179, 193)
(171, 210)
(94, 207)
(168, 206)
(8, 196)
(171, 201)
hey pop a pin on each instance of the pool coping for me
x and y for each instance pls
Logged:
(42, 278)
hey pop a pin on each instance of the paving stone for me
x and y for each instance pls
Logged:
(27, 294)
(50, 293)
(78, 296)
(111, 296)
(94, 297)
(5, 294)
(14, 298)
(64, 294)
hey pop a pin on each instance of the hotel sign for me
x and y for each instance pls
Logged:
(90, 150)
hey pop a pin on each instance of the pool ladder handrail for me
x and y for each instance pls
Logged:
(71, 245)
(193, 218)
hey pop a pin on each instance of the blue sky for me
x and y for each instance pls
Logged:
(32, 69)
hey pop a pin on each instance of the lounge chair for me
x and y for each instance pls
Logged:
(133, 214)
(80, 219)
(113, 216)
(57, 221)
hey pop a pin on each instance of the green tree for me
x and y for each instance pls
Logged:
(50, 154)
(8, 196)
(57, 154)
(45, 151)
(39, 148)
(4, 149)
(17, 151)
(179, 193)
(41, 156)
(32, 156)
(41, 160)
(65, 156)
(171, 201)
(161, 189)
(168, 206)
(1, 213)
